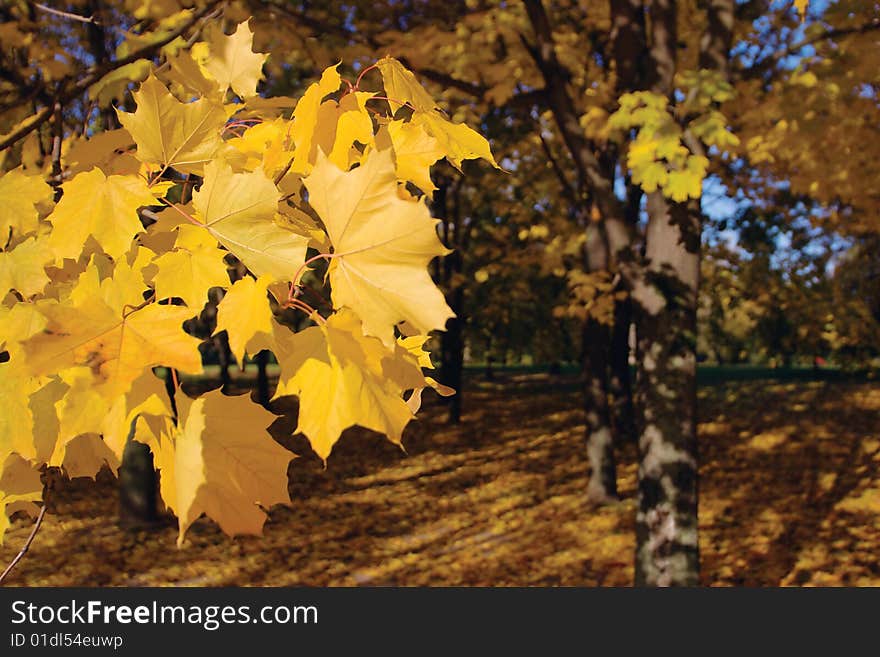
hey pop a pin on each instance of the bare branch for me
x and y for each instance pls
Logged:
(67, 15)
(768, 63)
(567, 188)
(27, 543)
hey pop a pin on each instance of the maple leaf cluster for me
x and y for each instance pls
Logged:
(98, 286)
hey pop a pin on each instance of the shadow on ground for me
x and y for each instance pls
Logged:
(790, 495)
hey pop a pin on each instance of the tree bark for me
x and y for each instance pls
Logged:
(602, 485)
(262, 359)
(667, 545)
(445, 206)
(452, 353)
(667, 550)
(594, 176)
(137, 486)
(623, 413)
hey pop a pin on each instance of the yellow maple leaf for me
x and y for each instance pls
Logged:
(414, 153)
(84, 410)
(352, 124)
(233, 63)
(20, 322)
(458, 141)
(107, 150)
(16, 418)
(119, 285)
(193, 268)
(20, 194)
(117, 345)
(239, 209)
(244, 313)
(415, 345)
(305, 117)
(81, 409)
(100, 206)
(22, 268)
(169, 133)
(147, 397)
(688, 182)
(401, 87)
(382, 245)
(86, 454)
(185, 71)
(344, 378)
(92, 429)
(19, 482)
(268, 145)
(222, 462)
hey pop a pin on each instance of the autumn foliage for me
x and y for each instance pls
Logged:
(204, 173)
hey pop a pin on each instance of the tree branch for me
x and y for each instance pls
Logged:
(70, 88)
(567, 188)
(33, 534)
(768, 63)
(67, 15)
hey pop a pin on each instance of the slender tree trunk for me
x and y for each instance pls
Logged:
(597, 348)
(262, 359)
(452, 352)
(219, 342)
(602, 486)
(137, 486)
(445, 206)
(138, 482)
(595, 180)
(623, 414)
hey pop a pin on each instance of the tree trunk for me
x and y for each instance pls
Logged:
(623, 414)
(262, 359)
(596, 175)
(137, 486)
(452, 353)
(446, 207)
(138, 483)
(667, 546)
(667, 550)
(602, 485)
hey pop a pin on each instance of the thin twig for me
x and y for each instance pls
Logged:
(27, 543)
(767, 63)
(64, 14)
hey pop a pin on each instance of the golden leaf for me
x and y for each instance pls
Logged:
(382, 245)
(174, 134)
(239, 210)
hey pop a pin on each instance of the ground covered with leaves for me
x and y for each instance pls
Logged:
(790, 486)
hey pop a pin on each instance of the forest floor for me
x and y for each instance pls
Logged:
(790, 495)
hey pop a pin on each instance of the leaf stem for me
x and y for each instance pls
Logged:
(357, 83)
(302, 270)
(188, 216)
(299, 304)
